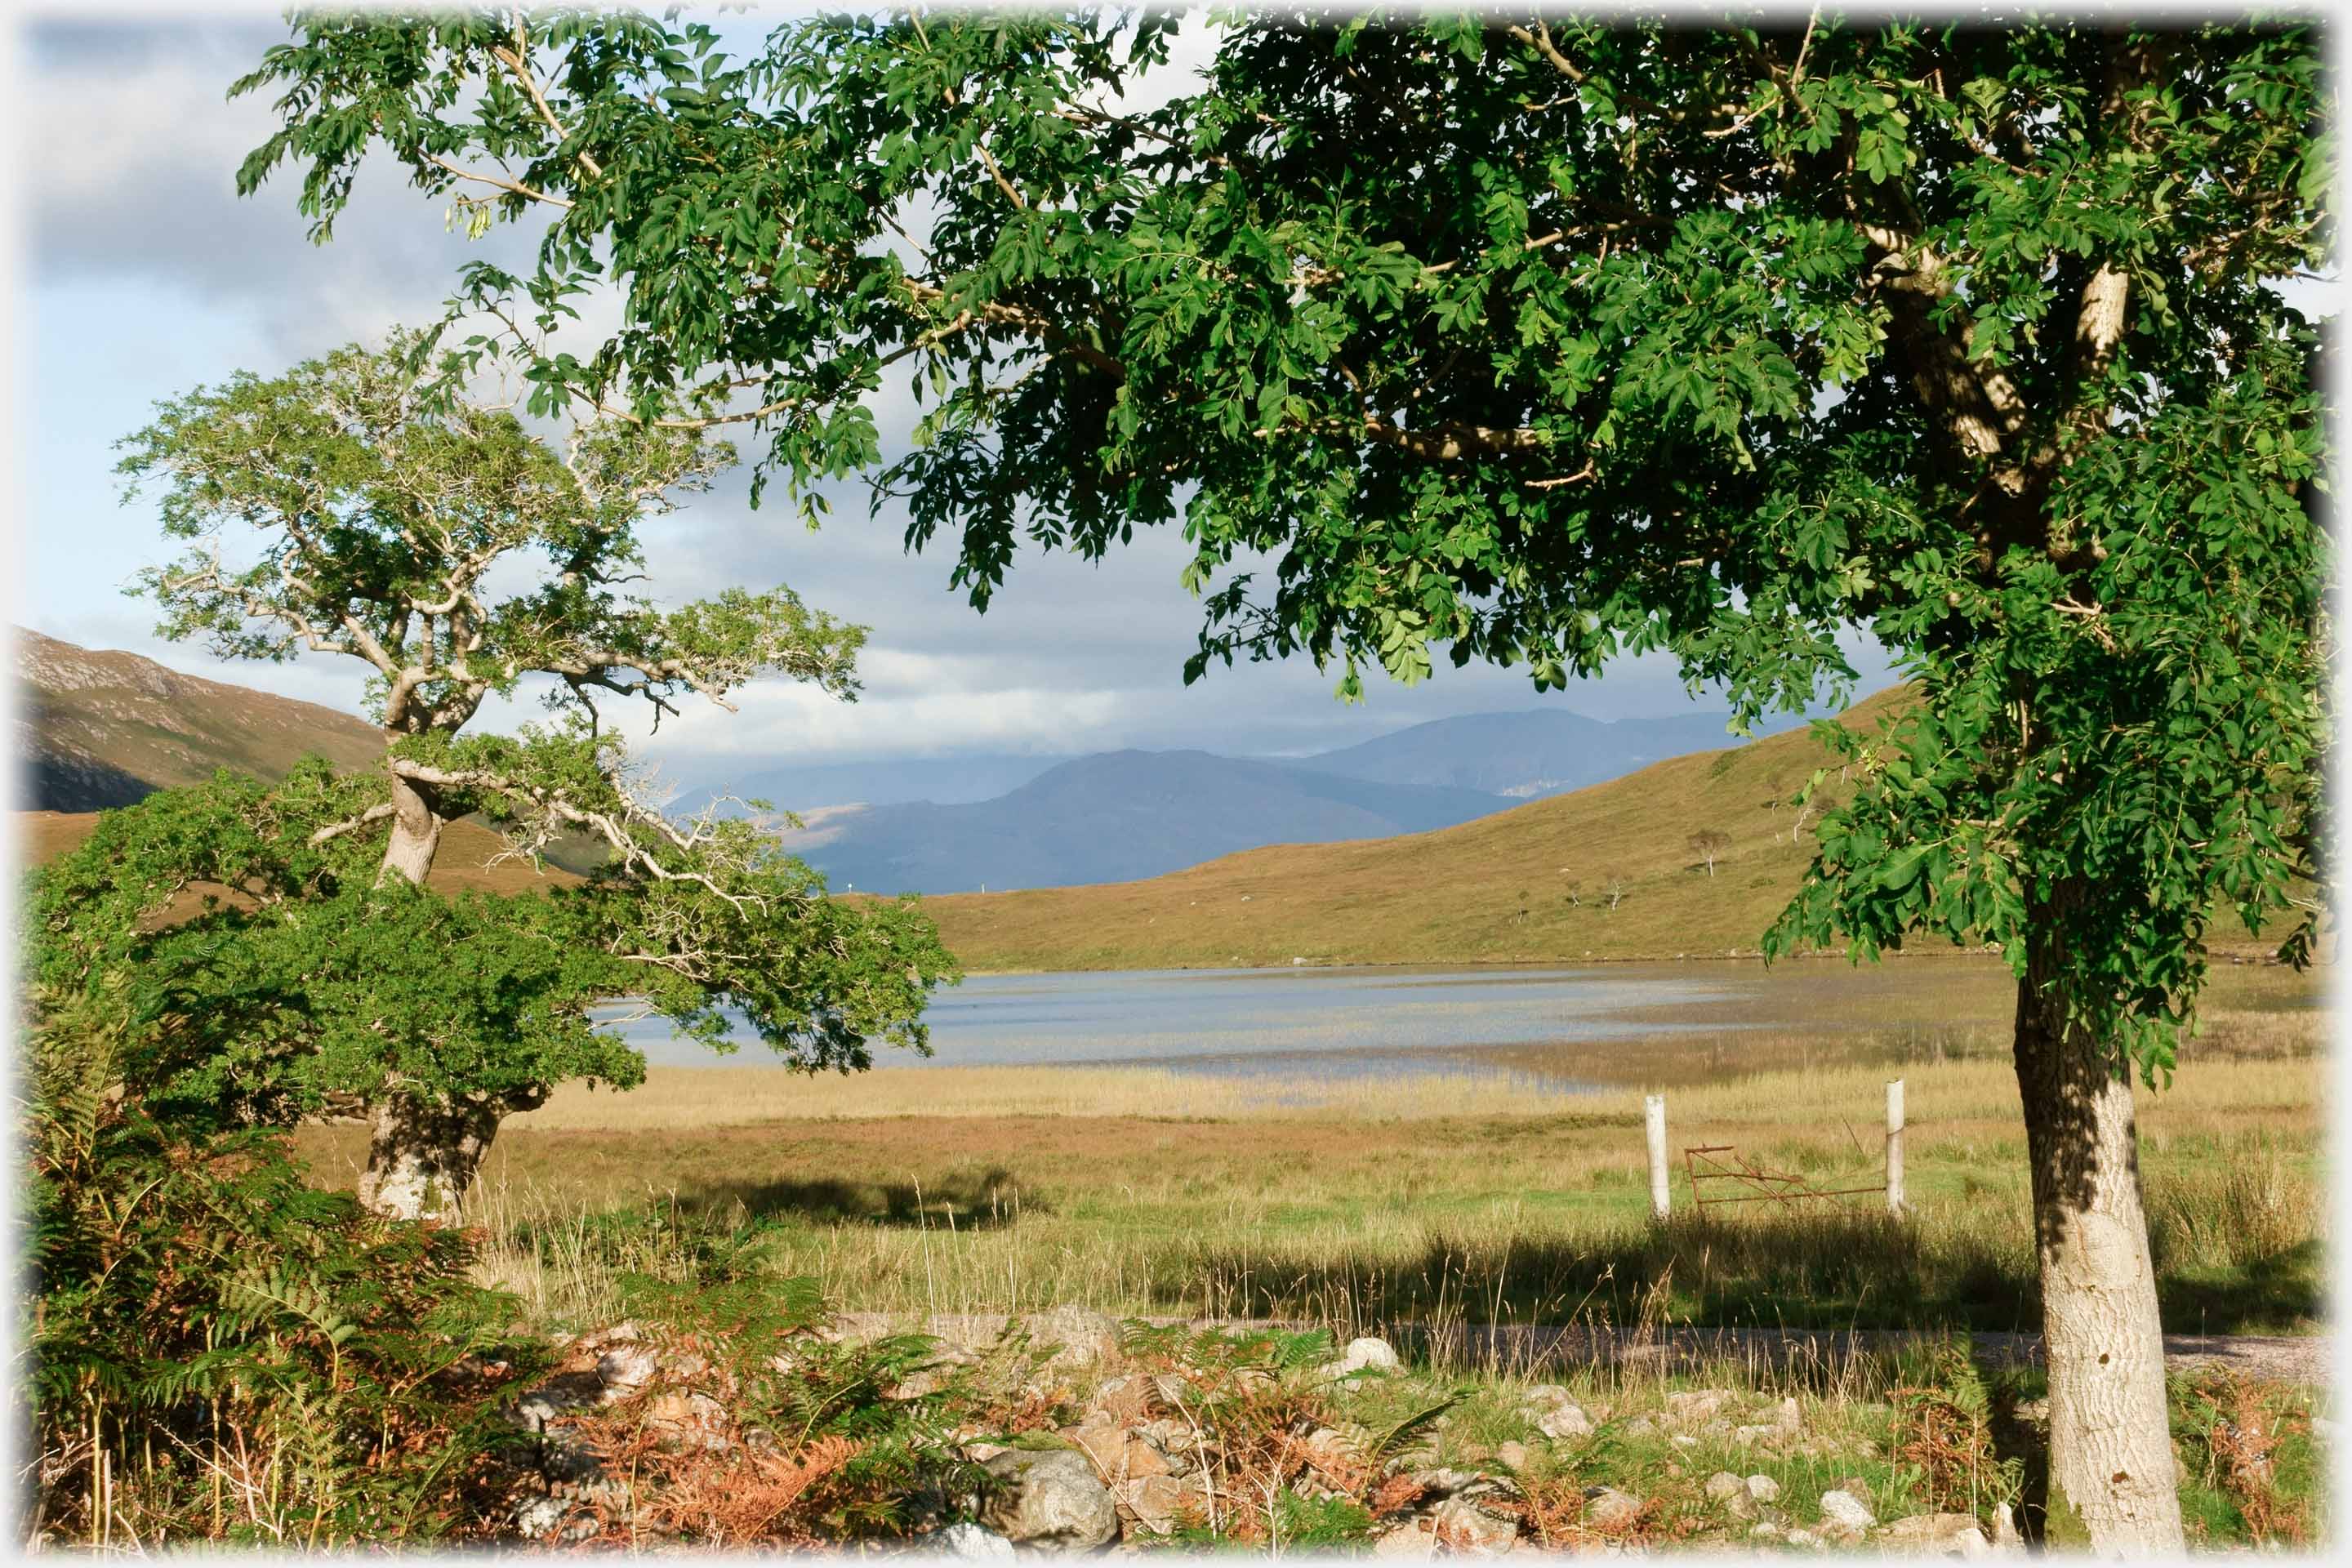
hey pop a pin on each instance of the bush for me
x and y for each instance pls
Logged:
(217, 1351)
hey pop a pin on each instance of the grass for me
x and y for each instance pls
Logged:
(1371, 1203)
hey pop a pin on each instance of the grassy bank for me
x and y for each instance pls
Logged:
(1369, 1202)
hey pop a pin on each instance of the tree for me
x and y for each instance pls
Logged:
(1542, 340)
(446, 546)
(1707, 843)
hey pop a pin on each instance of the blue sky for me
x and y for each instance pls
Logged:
(141, 274)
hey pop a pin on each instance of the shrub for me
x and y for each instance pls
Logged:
(214, 1350)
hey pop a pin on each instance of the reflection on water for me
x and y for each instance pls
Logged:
(1313, 1023)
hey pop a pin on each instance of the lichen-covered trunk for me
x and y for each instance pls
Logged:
(422, 1156)
(423, 1153)
(415, 833)
(2112, 1483)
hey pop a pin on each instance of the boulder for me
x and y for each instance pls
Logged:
(1691, 1407)
(1763, 1488)
(629, 1366)
(1846, 1513)
(968, 1542)
(1365, 1355)
(1606, 1508)
(1159, 1503)
(1936, 1535)
(1469, 1530)
(1050, 1501)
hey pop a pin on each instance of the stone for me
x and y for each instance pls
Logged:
(1847, 1511)
(1789, 1417)
(1161, 1503)
(540, 1516)
(1689, 1407)
(1513, 1455)
(1763, 1488)
(562, 1394)
(629, 1366)
(1050, 1501)
(1936, 1535)
(1802, 1537)
(1365, 1355)
(1123, 1401)
(1606, 1508)
(1417, 1538)
(2005, 1534)
(1564, 1420)
(968, 1542)
(1723, 1484)
(1083, 1335)
(1767, 1530)
(1469, 1530)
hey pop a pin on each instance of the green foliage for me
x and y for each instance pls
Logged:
(1536, 342)
(219, 1349)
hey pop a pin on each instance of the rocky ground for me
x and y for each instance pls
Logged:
(1066, 1433)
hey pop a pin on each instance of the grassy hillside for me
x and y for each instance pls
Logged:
(467, 849)
(100, 729)
(1530, 885)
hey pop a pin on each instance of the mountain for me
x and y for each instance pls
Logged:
(942, 781)
(1529, 754)
(97, 730)
(1111, 818)
(1531, 884)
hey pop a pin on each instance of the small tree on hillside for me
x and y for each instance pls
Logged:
(444, 546)
(1707, 843)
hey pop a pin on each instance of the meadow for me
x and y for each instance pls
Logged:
(1368, 1203)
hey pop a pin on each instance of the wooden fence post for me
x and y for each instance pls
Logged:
(1654, 1114)
(1894, 1147)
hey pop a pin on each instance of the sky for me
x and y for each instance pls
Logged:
(141, 274)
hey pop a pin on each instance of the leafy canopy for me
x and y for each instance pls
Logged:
(1527, 340)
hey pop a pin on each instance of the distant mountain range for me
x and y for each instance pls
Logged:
(1114, 817)
(95, 729)
(1123, 815)
(104, 729)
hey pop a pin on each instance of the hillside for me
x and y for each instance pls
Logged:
(463, 864)
(1532, 753)
(1113, 818)
(97, 728)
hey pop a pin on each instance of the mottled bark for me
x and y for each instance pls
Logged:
(422, 1154)
(2112, 1480)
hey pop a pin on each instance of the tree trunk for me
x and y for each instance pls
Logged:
(415, 834)
(2112, 1483)
(423, 1156)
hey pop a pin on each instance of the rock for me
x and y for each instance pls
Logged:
(1787, 1417)
(1606, 1508)
(2005, 1534)
(560, 1395)
(1123, 1401)
(1846, 1511)
(692, 1419)
(1767, 1530)
(629, 1366)
(1416, 1538)
(1685, 1440)
(1466, 1529)
(1763, 1488)
(1513, 1455)
(539, 1517)
(1689, 1407)
(1936, 1535)
(1564, 1420)
(1161, 1503)
(1640, 1426)
(1801, 1538)
(1083, 1335)
(1050, 1501)
(1365, 1355)
(1723, 1484)
(967, 1543)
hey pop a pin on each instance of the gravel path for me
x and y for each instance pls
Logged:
(1521, 1351)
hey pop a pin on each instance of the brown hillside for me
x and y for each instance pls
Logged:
(1529, 885)
(98, 729)
(463, 864)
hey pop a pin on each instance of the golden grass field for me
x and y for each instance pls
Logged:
(1376, 1201)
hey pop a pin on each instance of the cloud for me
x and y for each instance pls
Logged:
(146, 267)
